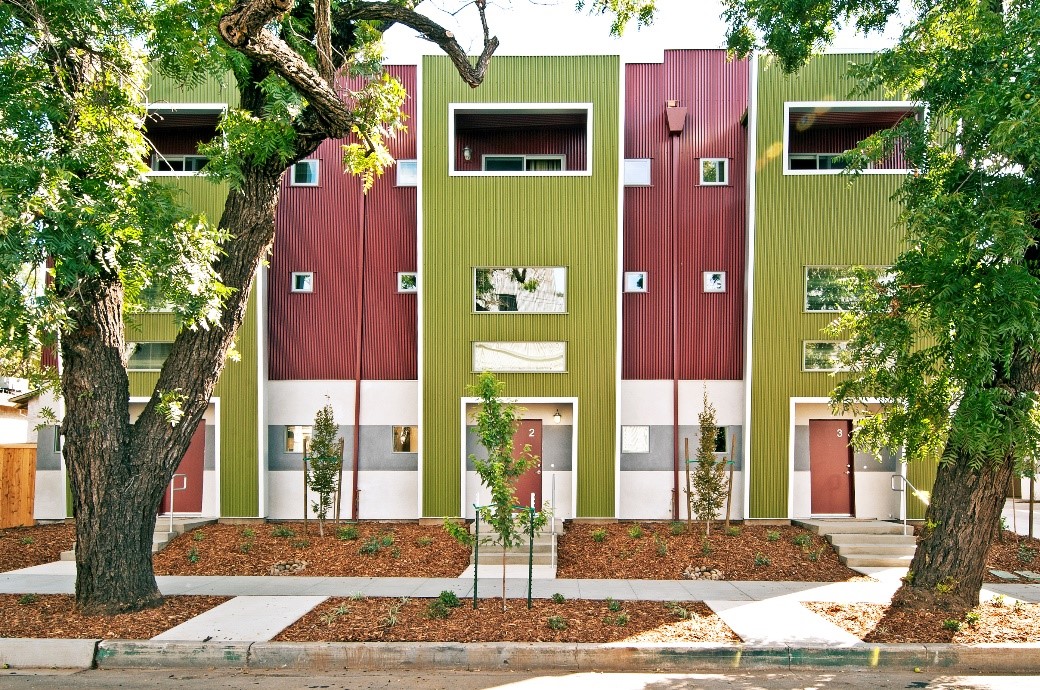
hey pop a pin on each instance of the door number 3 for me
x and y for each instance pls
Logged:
(840, 432)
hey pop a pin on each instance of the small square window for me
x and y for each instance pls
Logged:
(407, 173)
(407, 282)
(305, 173)
(297, 438)
(714, 171)
(637, 172)
(635, 281)
(406, 439)
(303, 282)
(635, 439)
(714, 281)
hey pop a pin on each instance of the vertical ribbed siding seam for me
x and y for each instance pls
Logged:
(749, 273)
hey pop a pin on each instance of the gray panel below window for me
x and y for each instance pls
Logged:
(211, 447)
(46, 458)
(660, 457)
(376, 454)
(801, 448)
(556, 447)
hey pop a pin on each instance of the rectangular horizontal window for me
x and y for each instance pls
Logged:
(407, 173)
(148, 356)
(817, 134)
(520, 289)
(161, 163)
(529, 357)
(305, 173)
(714, 171)
(835, 288)
(635, 439)
(822, 355)
(637, 172)
(297, 437)
(405, 439)
(510, 139)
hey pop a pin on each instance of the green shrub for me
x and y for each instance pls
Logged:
(347, 533)
(437, 609)
(370, 547)
(599, 535)
(635, 531)
(706, 547)
(558, 598)
(27, 599)
(804, 539)
(951, 624)
(247, 533)
(619, 619)
(677, 610)
(423, 542)
(772, 535)
(677, 528)
(1026, 554)
(449, 599)
(661, 545)
(300, 543)
(26, 541)
(817, 554)
(193, 555)
(198, 535)
(761, 559)
(613, 604)
(330, 616)
(245, 547)
(557, 623)
(733, 531)
(386, 540)
(972, 618)
(282, 531)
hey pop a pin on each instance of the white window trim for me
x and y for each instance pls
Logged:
(473, 285)
(631, 275)
(635, 426)
(292, 281)
(709, 287)
(847, 106)
(400, 285)
(725, 177)
(524, 157)
(135, 343)
(157, 156)
(521, 107)
(805, 284)
(316, 162)
(400, 161)
(414, 442)
(519, 370)
(806, 343)
(631, 166)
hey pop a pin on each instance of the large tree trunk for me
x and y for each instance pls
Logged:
(947, 569)
(119, 471)
(112, 502)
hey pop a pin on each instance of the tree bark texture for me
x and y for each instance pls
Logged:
(112, 504)
(950, 561)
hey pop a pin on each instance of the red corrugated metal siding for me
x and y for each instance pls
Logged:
(840, 139)
(569, 142)
(180, 141)
(313, 335)
(710, 220)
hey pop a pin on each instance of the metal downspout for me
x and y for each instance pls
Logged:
(676, 117)
(359, 349)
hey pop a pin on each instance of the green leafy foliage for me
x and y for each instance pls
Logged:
(324, 464)
(347, 533)
(556, 623)
(772, 535)
(558, 598)
(761, 559)
(599, 535)
(282, 531)
(709, 478)
(635, 532)
(622, 11)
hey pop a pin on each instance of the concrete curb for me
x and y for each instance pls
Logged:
(327, 656)
(28, 652)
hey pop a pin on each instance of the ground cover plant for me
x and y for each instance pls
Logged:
(364, 549)
(576, 620)
(54, 615)
(23, 547)
(748, 552)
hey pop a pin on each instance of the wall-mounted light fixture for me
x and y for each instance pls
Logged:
(557, 417)
(467, 153)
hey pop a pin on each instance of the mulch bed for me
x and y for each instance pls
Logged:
(397, 550)
(658, 554)
(54, 615)
(23, 547)
(995, 623)
(1015, 552)
(369, 620)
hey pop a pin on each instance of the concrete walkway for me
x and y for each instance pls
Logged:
(760, 613)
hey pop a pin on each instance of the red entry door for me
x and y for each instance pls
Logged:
(830, 467)
(189, 499)
(529, 433)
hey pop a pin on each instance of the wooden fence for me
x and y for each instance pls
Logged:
(17, 484)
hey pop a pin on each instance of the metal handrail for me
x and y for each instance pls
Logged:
(922, 496)
(174, 489)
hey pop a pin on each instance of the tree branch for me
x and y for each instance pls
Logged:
(433, 32)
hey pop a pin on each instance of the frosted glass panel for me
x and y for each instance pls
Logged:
(539, 357)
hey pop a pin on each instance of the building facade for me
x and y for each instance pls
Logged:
(617, 242)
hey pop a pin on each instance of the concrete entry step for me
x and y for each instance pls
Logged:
(876, 549)
(866, 543)
(850, 526)
(866, 560)
(880, 539)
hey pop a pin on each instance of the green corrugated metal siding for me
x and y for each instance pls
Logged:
(521, 221)
(212, 90)
(801, 220)
(238, 387)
